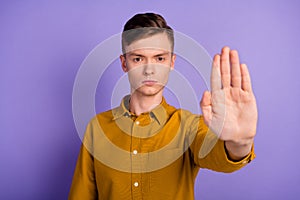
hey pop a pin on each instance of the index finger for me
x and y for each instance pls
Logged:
(215, 79)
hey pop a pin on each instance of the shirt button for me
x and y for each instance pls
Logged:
(135, 152)
(245, 162)
(137, 122)
(136, 184)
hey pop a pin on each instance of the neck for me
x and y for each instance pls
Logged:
(141, 104)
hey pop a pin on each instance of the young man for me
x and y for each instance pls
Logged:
(147, 149)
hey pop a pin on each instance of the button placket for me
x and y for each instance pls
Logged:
(135, 162)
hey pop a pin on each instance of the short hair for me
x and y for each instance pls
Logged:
(144, 25)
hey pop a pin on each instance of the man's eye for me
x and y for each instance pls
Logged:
(160, 59)
(138, 59)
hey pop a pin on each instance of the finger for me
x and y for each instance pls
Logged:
(215, 79)
(225, 67)
(206, 99)
(236, 79)
(205, 105)
(246, 80)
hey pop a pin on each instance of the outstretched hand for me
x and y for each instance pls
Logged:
(230, 108)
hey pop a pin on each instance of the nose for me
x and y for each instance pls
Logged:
(148, 69)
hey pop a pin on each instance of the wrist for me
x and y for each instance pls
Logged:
(237, 151)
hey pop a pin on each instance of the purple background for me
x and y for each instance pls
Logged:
(44, 42)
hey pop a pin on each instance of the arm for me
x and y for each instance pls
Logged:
(208, 151)
(84, 183)
(230, 110)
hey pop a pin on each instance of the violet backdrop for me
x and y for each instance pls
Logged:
(43, 44)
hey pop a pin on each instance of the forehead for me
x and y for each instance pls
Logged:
(158, 42)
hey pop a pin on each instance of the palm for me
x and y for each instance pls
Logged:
(230, 109)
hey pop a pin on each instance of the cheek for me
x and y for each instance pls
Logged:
(163, 74)
(135, 76)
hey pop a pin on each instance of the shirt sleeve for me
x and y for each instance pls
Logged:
(209, 152)
(84, 182)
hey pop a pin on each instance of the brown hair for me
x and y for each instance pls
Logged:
(144, 25)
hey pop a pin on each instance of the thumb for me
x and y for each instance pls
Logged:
(206, 99)
(206, 108)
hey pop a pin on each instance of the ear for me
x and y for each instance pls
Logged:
(123, 63)
(173, 58)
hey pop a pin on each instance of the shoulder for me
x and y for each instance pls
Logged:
(103, 116)
(185, 116)
(181, 112)
(171, 110)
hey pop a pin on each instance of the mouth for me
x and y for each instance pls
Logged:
(149, 82)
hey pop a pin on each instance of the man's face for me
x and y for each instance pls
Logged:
(148, 62)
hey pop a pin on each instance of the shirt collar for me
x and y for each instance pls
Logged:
(159, 113)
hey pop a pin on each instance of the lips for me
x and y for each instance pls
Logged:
(149, 82)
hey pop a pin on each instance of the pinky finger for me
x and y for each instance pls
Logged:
(246, 81)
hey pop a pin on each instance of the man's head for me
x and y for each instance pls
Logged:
(147, 45)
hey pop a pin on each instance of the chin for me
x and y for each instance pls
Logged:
(150, 91)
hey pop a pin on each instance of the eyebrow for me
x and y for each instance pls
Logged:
(135, 54)
(161, 54)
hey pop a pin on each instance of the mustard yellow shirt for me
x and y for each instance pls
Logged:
(153, 156)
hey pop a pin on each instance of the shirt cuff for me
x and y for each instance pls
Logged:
(240, 163)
